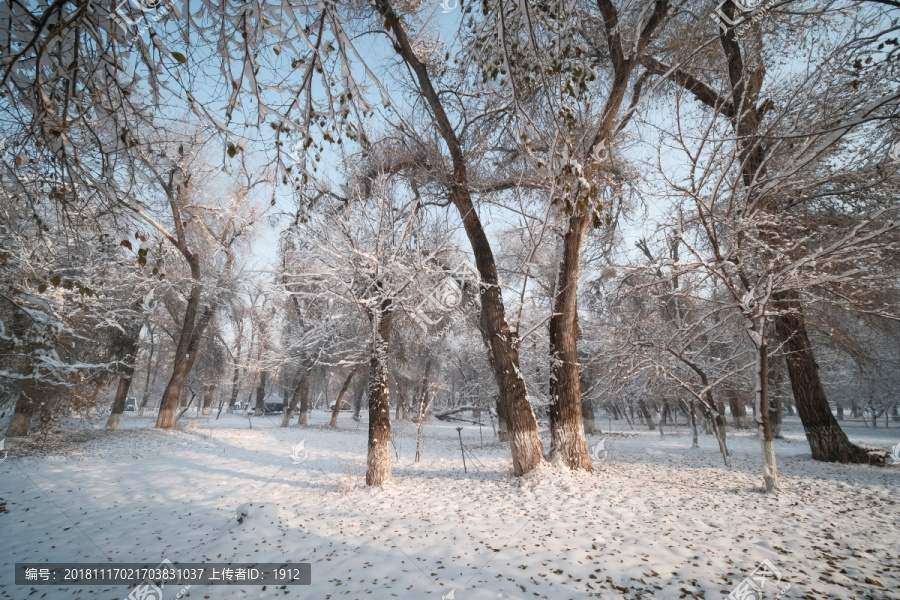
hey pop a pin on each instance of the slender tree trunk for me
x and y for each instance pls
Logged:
(587, 416)
(423, 405)
(827, 440)
(288, 411)
(525, 444)
(378, 460)
(720, 411)
(340, 399)
(709, 408)
(303, 415)
(766, 438)
(261, 395)
(648, 418)
(693, 416)
(235, 378)
(118, 408)
(186, 352)
(146, 396)
(209, 393)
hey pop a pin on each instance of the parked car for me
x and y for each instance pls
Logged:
(274, 407)
(345, 406)
(130, 403)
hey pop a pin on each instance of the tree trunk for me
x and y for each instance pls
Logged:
(209, 393)
(186, 352)
(357, 405)
(766, 439)
(340, 399)
(20, 422)
(827, 440)
(709, 408)
(502, 428)
(288, 411)
(587, 416)
(738, 411)
(146, 397)
(234, 379)
(260, 409)
(694, 435)
(303, 413)
(720, 410)
(648, 419)
(567, 441)
(118, 408)
(525, 443)
(378, 460)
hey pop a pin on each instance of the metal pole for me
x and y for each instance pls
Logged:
(463, 452)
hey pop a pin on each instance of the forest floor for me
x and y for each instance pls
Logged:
(656, 519)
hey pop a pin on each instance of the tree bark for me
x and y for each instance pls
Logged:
(502, 427)
(186, 352)
(146, 397)
(303, 414)
(827, 440)
(20, 422)
(423, 405)
(738, 411)
(261, 395)
(378, 460)
(209, 393)
(587, 416)
(567, 441)
(295, 399)
(340, 399)
(694, 435)
(645, 413)
(766, 438)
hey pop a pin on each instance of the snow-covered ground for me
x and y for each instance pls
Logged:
(656, 520)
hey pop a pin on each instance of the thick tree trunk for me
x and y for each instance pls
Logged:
(567, 441)
(185, 354)
(827, 440)
(378, 460)
(340, 399)
(502, 427)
